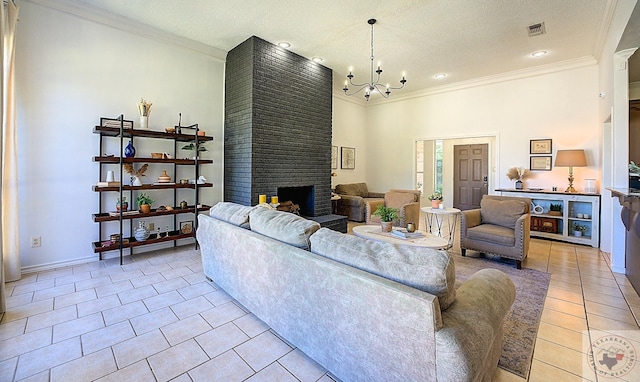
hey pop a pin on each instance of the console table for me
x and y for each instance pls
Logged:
(577, 209)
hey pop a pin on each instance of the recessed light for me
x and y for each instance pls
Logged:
(284, 44)
(440, 76)
(539, 53)
(317, 59)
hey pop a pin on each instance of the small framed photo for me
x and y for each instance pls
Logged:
(540, 146)
(542, 163)
(186, 227)
(348, 158)
(334, 157)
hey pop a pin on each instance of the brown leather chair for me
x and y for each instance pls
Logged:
(406, 201)
(500, 226)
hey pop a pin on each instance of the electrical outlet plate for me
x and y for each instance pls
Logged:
(152, 226)
(35, 241)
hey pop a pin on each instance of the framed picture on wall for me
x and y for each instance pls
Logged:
(348, 158)
(334, 157)
(542, 163)
(540, 146)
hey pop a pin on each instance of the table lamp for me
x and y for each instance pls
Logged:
(571, 159)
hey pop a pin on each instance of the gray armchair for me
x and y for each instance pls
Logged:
(501, 227)
(353, 198)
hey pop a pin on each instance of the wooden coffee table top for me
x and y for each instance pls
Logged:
(374, 232)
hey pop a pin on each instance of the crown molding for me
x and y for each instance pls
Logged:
(494, 79)
(604, 27)
(127, 25)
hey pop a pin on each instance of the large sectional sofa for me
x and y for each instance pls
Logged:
(364, 310)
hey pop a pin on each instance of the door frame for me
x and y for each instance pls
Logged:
(493, 142)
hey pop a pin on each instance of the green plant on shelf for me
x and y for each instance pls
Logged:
(579, 228)
(144, 198)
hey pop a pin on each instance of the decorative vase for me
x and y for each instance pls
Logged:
(518, 185)
(435, 204)
(164, 178)
(141, 233)
(386, 226)
(411, 227)
(123, 205)
(135, 181)
(144, 122)
(129, 151)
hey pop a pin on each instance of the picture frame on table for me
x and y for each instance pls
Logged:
(540, 146)
(348, 158)
(186, 227)
(540, 163)
(334, 157)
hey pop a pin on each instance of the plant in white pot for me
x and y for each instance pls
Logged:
(387, 215)
(579, 230)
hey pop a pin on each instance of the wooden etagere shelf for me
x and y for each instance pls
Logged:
(106, 219)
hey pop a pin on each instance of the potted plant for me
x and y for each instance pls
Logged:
(192, 147)
(122, 204)
(387, 215)
(518, 174)
(436, 199)
(144, 203)
(579, 230)
(555, 209)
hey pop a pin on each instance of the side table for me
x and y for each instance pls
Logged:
(334, 203)
(434, 219)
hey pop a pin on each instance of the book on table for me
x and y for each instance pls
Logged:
(403, 234)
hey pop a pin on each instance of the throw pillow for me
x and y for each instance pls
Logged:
(283, 226)
(429, 270)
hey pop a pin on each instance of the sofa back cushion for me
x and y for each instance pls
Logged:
(283, 226)
(231, 213)
(355, 189)
(504, 213)
(429, 270)
(397, 199)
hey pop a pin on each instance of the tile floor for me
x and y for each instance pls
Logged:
(157, 319)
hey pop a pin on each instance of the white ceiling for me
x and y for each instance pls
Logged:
(467, 39)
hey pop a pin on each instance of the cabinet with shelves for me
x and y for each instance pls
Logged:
(577, 210)
(114, 223)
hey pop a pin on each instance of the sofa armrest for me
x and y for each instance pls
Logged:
(473, 322)
(468, 219)
(410, 213)
(377, 195)
(522, 234)
(351, 200)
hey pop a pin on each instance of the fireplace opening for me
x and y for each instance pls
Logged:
(302, 196)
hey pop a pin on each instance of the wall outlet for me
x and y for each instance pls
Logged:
(35, 241)
(152, 227)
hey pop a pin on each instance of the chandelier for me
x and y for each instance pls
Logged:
(372, 86)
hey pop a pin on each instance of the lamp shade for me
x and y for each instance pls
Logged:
(571, 158)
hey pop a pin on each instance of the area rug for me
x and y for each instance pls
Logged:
(522, 322)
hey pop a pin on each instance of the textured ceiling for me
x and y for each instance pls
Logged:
(466, 39)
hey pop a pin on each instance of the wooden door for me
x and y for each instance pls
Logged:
(470, 175)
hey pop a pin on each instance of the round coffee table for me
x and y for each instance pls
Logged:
(374, 232)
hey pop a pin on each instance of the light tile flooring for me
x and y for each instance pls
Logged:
(157, 319)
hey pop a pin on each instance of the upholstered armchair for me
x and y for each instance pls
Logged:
(500, 226)
(406, 201)
(353, 198)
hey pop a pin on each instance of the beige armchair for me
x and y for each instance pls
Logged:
(353, 198)
(501, 227)
(406, 201)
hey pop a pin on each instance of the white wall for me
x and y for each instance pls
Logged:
(560, 105)
(70, 72)
(349, 130)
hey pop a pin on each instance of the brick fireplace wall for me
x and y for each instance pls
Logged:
(277, 130)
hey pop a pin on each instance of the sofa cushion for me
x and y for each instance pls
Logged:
(283, 226)
(426, 269)
(504, 213)
(355, 189)
(493, 234)
(231, 213)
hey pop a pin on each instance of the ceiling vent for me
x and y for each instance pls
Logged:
(536, 29)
